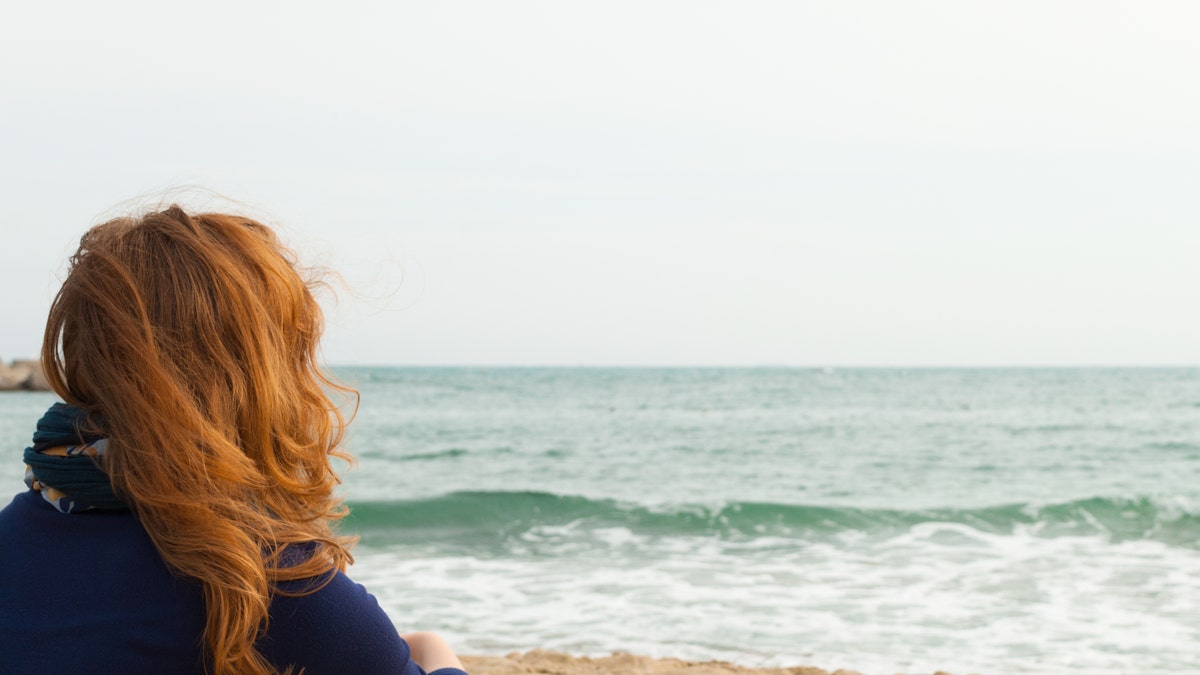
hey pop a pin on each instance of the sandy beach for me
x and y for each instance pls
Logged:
(556, 663)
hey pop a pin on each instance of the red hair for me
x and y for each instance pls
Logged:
(193, 341)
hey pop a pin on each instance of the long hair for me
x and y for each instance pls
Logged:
(192, 341)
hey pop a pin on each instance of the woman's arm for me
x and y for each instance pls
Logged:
(430, 651)
(341, 629)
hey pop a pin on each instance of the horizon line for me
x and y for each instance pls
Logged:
(830, 366)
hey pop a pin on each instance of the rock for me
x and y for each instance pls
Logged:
(8, 379)
(23, 375)
(36, 380)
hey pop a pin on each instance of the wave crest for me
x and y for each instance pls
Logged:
(1174, 521)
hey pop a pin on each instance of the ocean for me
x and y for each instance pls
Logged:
(986, 521)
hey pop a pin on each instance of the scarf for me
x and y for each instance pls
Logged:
(65, 462)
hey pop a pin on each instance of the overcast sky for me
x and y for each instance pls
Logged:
(701, 183)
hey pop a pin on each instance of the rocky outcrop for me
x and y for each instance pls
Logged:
(23, 375)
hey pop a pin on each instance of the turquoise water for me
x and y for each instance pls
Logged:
(988, 521)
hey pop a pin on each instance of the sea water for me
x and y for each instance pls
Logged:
(886, 520)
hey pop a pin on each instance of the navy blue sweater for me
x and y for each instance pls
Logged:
(88, 593)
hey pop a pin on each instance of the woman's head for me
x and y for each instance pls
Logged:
(212, 302)
(193, 341)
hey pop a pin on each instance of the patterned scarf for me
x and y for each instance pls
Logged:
(65, 463)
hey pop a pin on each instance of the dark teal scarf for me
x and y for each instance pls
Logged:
(76, 482)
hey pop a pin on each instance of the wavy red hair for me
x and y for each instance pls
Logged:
(193, 340)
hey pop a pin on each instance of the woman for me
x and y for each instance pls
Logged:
(181, 503)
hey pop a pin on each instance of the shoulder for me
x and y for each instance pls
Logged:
(93, 580)
(21, 503)
(39, 530)
(339, 628)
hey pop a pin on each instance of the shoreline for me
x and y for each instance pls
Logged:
(545, 662)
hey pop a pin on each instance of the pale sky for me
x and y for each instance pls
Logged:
(643, 183)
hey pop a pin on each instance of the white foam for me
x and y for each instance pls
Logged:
(939, 596)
